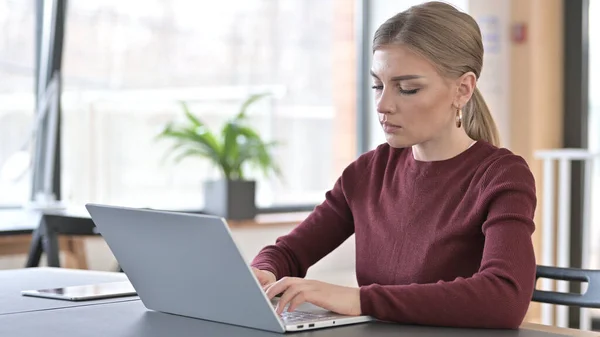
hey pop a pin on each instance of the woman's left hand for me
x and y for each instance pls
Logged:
(295, 291)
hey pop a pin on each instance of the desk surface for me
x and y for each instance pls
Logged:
(21, 221)
(24, 221)
(13, 281)
(17, 221)
(132, 319)
(25, 316)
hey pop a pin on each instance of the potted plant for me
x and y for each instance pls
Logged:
(233, 150)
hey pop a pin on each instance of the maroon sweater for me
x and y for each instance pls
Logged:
(437, 243)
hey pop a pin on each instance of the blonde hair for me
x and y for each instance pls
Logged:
(451, 40)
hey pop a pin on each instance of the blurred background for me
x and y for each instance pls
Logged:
(126, 65)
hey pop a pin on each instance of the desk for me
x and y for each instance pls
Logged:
(129, 318)
(32, 232)
(132, 319)
(35, 232)
(54, 223)
(17, 221)
(13, 281)
(16, 227)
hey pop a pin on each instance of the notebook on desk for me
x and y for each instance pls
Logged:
(189, 265)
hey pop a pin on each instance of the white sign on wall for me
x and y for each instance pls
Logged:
(493, 17)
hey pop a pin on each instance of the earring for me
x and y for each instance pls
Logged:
(458, 118)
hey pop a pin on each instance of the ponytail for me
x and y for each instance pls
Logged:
(478, 120)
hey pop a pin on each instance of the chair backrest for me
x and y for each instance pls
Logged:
(590, 299)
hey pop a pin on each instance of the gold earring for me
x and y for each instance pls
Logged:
(458, 118)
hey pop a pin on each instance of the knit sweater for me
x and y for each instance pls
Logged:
(443, 243)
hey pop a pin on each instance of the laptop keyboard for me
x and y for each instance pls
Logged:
(302, 316)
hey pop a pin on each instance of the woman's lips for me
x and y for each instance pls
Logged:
(390, 128)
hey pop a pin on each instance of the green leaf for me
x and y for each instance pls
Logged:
(205, 137)
(191, 117)
(265, 160)
(189, 153)
(237, 146)
(204, 141)
(173, 149)
(164, 131)
(230, 151)
(247, 103)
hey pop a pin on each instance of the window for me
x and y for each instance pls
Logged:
(127, 64)
(594, 127)
(17, 43)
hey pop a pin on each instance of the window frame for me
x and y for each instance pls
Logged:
(58, 25)
(575, 122)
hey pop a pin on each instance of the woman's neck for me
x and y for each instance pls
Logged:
(442, 148)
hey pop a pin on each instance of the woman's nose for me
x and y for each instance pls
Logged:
(385, 104)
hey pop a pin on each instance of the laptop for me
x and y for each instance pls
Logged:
(189, 265)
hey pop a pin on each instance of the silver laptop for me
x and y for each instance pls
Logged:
(189, 265)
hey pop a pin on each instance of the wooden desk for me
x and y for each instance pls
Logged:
(16, 229)
(17, 239)
(274, 219)
(562, 331)
(72, 247)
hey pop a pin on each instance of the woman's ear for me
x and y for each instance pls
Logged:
(465, 88)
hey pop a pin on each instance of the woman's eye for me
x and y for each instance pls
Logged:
(408, 92)
(377, 87)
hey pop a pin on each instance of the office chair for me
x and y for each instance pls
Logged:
(591, 298)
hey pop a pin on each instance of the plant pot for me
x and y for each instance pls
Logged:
(231, 199)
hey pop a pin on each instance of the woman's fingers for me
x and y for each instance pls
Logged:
(264, 277)
(280, 286)
(291, 292)
(301, 297)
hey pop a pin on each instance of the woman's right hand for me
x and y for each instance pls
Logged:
(264, 277)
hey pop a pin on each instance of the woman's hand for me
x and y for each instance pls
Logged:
(295, 291)
(264, 277)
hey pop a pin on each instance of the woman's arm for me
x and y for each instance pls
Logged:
(328, 226)
(498, 295)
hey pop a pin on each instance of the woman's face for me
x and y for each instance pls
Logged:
(414, 102)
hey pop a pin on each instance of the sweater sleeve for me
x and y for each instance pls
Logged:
(327, 227)
(498, 295)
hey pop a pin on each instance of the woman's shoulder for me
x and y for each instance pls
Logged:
(501, 165)
(501, 157)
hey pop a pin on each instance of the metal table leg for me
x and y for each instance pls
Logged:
(35, 248)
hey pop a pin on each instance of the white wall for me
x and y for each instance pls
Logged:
(493, 17)
(594, 128)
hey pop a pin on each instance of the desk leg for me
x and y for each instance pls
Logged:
(50, 243)
(35, 249)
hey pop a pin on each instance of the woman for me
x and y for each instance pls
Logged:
(443, 218)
